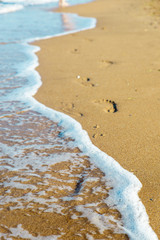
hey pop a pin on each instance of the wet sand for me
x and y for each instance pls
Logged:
(62, 198)
(117, 64)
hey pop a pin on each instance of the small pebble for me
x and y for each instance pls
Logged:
(78, 76)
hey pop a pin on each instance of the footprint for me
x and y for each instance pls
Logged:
(109, 105)
(106, 63)
(86, 81)
(69, 108)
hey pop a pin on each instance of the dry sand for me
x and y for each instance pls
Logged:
(119, 60)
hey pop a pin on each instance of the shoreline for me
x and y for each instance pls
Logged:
(114, 133)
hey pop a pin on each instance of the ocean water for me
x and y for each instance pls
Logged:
(49, 169)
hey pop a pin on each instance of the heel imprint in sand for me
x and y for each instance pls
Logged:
(109, 105)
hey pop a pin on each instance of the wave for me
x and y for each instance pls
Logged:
(6, 8)
(28, 2)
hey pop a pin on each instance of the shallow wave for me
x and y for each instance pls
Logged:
(6, 8)
(29, 2)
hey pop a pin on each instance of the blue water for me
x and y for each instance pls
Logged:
(33, 138)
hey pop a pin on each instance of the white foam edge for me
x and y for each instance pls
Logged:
(10, 8)
(126, 185)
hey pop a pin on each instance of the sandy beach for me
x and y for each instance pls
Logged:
(108, 79)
